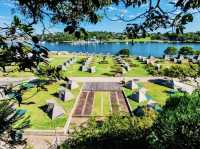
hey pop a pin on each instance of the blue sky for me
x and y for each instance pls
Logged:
(6, 15)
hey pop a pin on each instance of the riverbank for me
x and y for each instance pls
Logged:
(142, 40)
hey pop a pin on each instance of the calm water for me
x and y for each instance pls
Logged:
(142, 49)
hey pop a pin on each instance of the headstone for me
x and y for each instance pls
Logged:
(64, 67)
(72, 84)
(198, 57)
(175, 60)
(158, 67)
(180, 57)
(123, 70)
(53, 110)
(92, 69)
(84, 68)
(132, 85)
(144, 59)
(127, 67)
(65, 94)
(2, 94)
(66, 64)
(166, 57)
(140, 95)
(194, 61)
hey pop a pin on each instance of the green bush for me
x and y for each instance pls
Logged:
(170, 51)
(124, 52)
(178, 126)
(186, 50)
(117, 131)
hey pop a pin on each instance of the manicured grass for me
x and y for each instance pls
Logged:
(137, 70)
(101, 69)
(96, 109)
(101, 106)
(106, 103)
(157, 92)
(33, 100)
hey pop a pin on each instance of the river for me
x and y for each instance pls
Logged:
(138, 49)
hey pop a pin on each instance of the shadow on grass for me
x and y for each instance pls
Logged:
(55, 95)
(108, 74)
(28, 103)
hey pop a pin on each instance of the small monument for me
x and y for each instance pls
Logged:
(181, 57)
(166, 57)
(175, 60)
(158, 67)
(64, 67)
(64, 94)
(198, 58)
(84, 68)
(72, 84)
(132, 85)
(140, 95)
(92, 69)
(53, 110)
(123, 70)
(66, 64)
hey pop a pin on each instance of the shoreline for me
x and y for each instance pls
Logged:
(134, 41)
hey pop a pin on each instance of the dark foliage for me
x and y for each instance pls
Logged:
(178, 125)
(15, 50)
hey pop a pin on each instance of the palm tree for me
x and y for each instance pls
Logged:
(12, 122)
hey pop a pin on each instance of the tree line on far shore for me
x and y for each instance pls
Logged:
(106, 36)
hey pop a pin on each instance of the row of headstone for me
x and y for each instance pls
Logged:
(69, 62)
(195, 59)
(85, 67)
(125, 66)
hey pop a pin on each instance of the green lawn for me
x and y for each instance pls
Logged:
(157, 92)
(137, 70)
(101, 69)
(108, 69)
(33, 100)
(101, 106)
(96, 109)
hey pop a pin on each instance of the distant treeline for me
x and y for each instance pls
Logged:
(107, 36)
(190, 37)
(103, 36)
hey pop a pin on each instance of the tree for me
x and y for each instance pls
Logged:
(10, 122)
(72, 12)
(118, 131)
(170, 51)
(178, 126)
(182, 71)
(18, 51)
(124, 52)
(186, 50)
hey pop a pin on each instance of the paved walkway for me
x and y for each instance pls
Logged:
(4, 81)
(111, 79)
